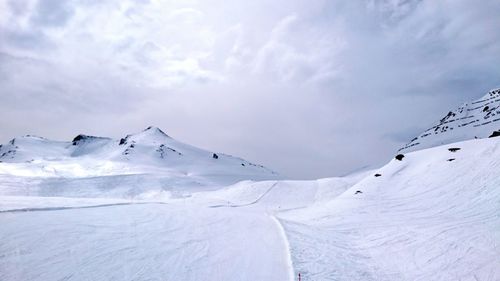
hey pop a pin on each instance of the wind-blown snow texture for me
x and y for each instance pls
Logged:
(135, 209)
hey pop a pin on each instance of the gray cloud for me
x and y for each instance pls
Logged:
(51, 13)
(309, 88)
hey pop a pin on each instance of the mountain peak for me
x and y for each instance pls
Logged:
(81, 138)
(154, 129)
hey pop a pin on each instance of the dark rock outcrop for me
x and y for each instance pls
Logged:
(495, 134)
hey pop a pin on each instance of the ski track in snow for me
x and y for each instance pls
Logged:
(247, 204)
(79, 207)
(287, 254)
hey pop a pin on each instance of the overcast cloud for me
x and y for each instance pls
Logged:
(308, 88)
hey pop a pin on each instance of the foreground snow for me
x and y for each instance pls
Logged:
(142, 242)
(228, 234)
(424, 218)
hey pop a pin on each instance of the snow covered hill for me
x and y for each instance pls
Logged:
(477, 119)
(148, 152)
(435, 215)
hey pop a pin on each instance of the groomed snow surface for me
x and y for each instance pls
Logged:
(435, 215)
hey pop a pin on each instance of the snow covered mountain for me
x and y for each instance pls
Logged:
(150, 151)
(147, 207)
(477, 119)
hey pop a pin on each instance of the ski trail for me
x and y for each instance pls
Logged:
(44, 209)
(247, 204)
(286, 245)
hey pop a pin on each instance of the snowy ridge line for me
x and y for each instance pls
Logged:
(42, 209)
(457, 125)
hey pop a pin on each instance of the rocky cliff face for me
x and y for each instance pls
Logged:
(476, 119)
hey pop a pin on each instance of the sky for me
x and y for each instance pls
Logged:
(308, 88)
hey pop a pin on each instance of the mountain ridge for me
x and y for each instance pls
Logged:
(476, 119)
(134, 153)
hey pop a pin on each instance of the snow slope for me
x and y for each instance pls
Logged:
(427, 217)
(226, 234)
(477, 119)
(142, 242)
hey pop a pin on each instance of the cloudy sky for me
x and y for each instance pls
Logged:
(309, 88)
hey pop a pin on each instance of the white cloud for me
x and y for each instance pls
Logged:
(297, 51)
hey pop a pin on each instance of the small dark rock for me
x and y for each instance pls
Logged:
(495, 134)
(171, 149)
(358, 192)
(377, 175)
(242, 164)
(79, 137)
(123, 141)
(215, 156)
(451, 159)
(161, 150)
(399, 157)
(454, 149)
(486, 108)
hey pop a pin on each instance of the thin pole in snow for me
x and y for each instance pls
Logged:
(300, 279)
